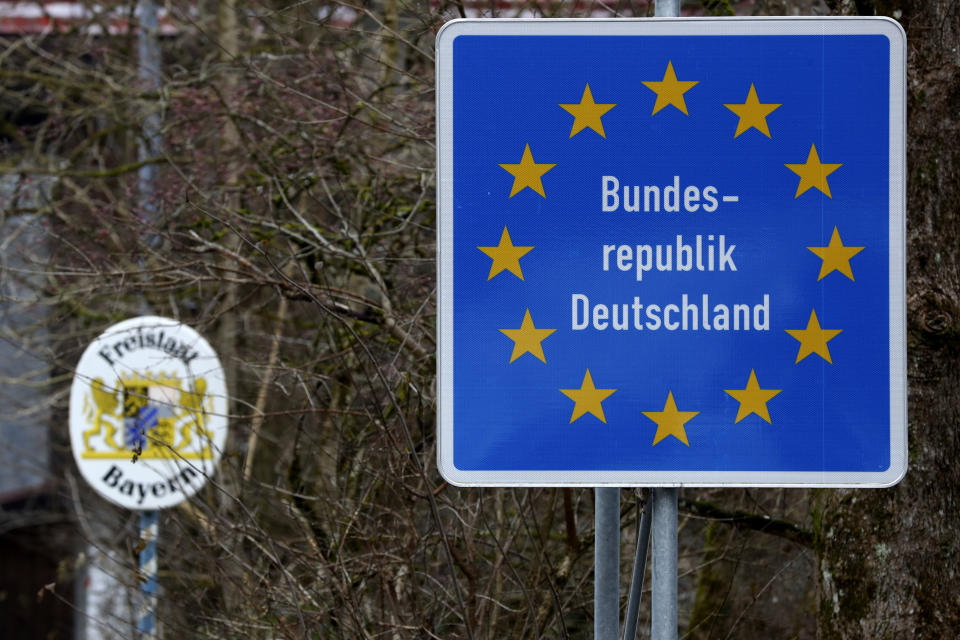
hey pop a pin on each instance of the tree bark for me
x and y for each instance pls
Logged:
(889, 558)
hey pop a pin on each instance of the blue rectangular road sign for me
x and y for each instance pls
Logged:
(672, 252)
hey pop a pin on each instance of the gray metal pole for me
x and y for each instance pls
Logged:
(663, 603)
(606, 564)
(151, 145)
(666, 8)
(147, 614)
(639, 567)
(664, 600)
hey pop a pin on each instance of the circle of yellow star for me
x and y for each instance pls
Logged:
(506, 256)
(670, 421)
(587, 113)
(813, 339)
(753, 113)
(752, 399)
(527, 338)
(835, 256)
(588, 399)
(813, 173)
(527, 173)
(670, 90)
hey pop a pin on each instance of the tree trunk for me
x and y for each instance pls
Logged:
(889, 558)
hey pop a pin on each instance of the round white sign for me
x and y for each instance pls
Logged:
(148, 413)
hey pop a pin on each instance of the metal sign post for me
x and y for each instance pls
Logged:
(151, 143)
(149, 62)
(606, 558)
(147, 614)
(663, 604)
(639, 566)
(663, 601)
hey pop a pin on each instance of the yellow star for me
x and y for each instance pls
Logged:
(505, 256)
(813, 173)
(753, 113)
(670, 421)
(835, 256)
(670, 90)
(813, 339)
(527, 338)
(588, 399)
(527, 173)
(753, 399)
(587, 113)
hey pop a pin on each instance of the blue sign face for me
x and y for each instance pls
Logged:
(672, 252)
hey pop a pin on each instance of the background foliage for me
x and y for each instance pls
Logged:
(293, 224)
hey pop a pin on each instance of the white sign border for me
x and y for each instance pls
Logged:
(674, 27)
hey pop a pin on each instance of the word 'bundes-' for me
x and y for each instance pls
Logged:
(654, 198)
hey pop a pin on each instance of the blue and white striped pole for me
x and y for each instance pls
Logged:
(147, 614)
